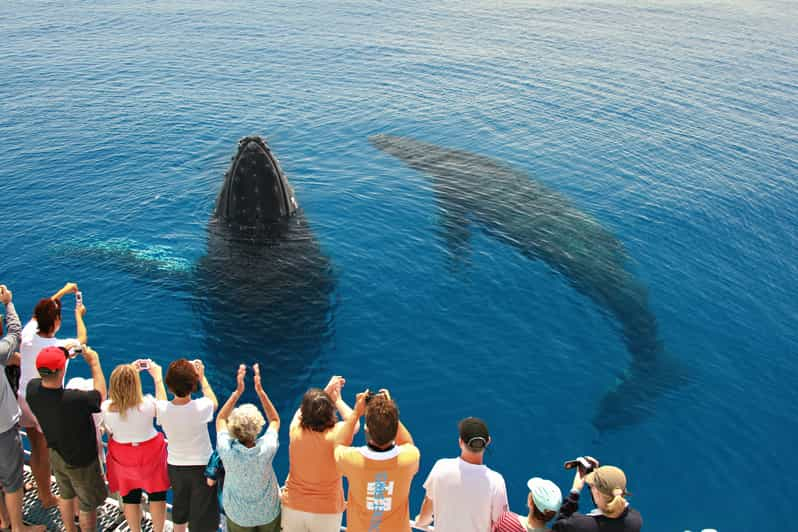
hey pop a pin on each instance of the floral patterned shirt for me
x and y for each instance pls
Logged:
(251, 494)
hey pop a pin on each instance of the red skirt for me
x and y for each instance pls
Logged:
(137, 466)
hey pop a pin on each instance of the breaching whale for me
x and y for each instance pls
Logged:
(542, 224)
(263, 291)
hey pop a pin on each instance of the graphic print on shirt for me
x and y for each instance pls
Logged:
(379, 495)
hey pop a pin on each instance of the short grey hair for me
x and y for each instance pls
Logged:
(245, 423)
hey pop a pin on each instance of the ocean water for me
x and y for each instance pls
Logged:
(672, 124)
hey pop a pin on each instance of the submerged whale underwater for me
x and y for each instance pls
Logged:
(263, 292)
(543, 225)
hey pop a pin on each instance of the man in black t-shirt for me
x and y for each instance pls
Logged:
(66, 420)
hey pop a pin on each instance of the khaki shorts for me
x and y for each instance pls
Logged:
(86, 483)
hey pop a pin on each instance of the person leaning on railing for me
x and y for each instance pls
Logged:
(251, 495)
(136, 451)
(185, 422)
(313, 498)
(11, 463)
(612, 514)
(38, 334)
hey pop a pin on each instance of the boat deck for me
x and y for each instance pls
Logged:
(109, 515)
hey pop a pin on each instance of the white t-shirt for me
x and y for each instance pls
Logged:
(186, 428)
(465, 497)
(29, 349)
(136, 426)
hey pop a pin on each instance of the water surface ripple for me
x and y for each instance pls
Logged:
(673, 125)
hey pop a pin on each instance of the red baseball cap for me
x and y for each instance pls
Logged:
(51, 359)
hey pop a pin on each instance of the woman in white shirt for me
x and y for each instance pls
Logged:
(136, 451)
(185, 422)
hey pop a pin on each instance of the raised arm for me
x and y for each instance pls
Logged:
(268, 407)
(347, 431)
(10, 342)
(224, 413)
(67, 289)
(207, 391)
(156, 372)
(333, 389)
(82, 334)
(402, 434)
(93, 360)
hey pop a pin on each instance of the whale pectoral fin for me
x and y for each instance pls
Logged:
(153, 262)
(455, 229)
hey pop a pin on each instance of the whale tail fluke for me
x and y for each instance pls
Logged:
(633, 399)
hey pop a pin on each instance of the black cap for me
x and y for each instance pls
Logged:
(474, 433)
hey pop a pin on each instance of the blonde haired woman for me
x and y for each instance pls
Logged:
(136, 451)
(612, 513)
(251, 494)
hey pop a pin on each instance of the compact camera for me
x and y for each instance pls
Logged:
(75, 351)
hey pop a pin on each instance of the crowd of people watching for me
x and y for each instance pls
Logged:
(236, 481)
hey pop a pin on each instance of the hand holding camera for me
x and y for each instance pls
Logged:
(89, 355)
(360, 402)
(200, 367)
(371, 395)
(74, 349)
(584, 465)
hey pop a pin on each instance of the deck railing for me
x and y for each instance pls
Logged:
(118, 501)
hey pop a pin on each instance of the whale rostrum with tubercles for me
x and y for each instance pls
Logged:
(264, 289)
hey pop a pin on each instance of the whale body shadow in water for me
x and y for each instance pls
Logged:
(543, 225)
(264, 291)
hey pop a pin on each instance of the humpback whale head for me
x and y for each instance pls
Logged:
(255, 191)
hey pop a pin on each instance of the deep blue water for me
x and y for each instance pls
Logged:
(674, 125)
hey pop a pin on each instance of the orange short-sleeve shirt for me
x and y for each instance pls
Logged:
(314, 484)
(379, 487)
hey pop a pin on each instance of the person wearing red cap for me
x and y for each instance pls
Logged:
(612, 513)
(65, 416)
